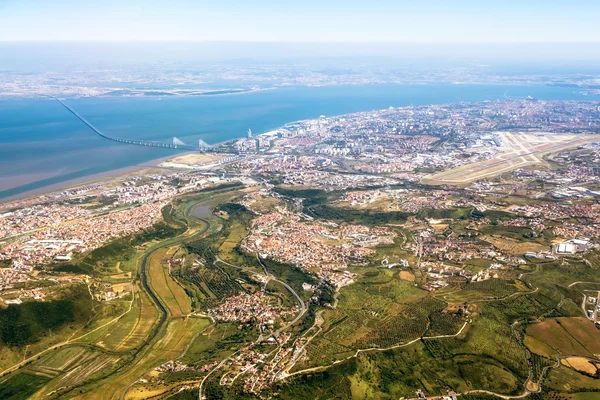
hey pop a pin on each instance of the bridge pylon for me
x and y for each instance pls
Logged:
(203, 146)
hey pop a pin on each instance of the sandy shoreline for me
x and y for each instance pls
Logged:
(90, 179)
(102, 176)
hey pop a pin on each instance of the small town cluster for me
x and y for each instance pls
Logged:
(306, 246)
(324, 247)
(53, 228)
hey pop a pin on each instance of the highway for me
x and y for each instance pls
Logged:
(272, 277)
(296, 319)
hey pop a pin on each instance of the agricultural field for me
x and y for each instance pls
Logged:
(574, 336)
(208, 286)
(580, 364)
(21, 385)
(130, 329)
(70, 366)
(567, 380)
(400, 372)
(487, 350)
(383, 335)
(237, 232)
(166, 288)
(217, 342)
(178, 334)
(59, 369)
(380, 310)
(491, 289)
(513, 244)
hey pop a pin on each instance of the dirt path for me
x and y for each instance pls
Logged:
(68, 341)
(324, 367)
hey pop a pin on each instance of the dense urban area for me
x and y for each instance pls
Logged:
(424, 252)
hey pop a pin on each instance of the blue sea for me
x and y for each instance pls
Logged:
(42, 144)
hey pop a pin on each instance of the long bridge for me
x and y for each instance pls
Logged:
(175, 144)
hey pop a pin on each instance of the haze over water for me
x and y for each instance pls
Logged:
(42, 144)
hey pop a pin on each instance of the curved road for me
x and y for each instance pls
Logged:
(272, 277)
(303, 310)
(292, 291)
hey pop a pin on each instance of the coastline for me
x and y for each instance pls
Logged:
(396, 96)
(139, 94)
(103, 176)
(90, 179)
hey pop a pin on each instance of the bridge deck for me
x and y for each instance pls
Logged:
(177, 143)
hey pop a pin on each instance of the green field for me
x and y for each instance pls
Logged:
(217, 343)
(130, 329)
(399, 373)
(379, 311)
(21, 386)
(178, 334)
(70, 366)
(172, 294)
(381, 337)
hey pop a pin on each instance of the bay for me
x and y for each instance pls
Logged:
(42, 144)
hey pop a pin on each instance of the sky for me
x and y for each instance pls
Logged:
(351, 21)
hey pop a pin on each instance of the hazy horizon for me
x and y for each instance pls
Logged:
(56, 54)
(351, 21)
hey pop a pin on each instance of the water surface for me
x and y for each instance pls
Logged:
(42, 144)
